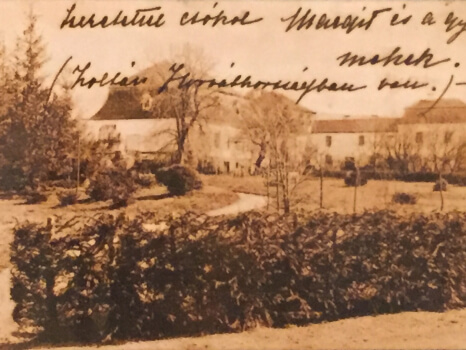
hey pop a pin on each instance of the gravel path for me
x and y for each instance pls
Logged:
(246, 202)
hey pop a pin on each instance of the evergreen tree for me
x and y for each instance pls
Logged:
(39, 134)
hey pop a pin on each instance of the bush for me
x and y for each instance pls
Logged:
(145, 180)
(179, 179)
(351, 178)
(440, 185)
(113, 278)
(34, 196)
(116, 185)
(404, 198)
(150, 165)
(68, 197)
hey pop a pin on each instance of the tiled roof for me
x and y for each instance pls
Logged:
(355, 125)
(445, 111)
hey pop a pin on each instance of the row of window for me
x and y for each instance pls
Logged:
(419, 138)
(328, 140)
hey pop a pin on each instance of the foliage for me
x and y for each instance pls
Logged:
(440, 185)
(67, 197)
(112, 277)
(145, 180)
(151, 165)
(114, 183)
(37, 132)
(355, 178)
(404, 198)
(179, 179)
(34, 196)
(451, 178)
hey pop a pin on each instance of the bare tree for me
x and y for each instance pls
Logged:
(403, 152)
(188, 106)
(272, 122)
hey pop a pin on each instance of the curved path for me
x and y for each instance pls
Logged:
(246, 202)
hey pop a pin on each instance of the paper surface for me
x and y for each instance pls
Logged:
(351, 114)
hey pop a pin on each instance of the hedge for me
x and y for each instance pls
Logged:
(112, 278)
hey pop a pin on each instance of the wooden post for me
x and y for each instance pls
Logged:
(78, 165)
(356, 190)
(268, 185)
(321, 187)
(278, 190)
(440, 179)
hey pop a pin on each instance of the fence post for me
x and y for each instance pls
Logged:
(356, 185)
(321, 188)
(440, 179)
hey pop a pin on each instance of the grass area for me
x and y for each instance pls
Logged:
(377, 194)
(154, 199)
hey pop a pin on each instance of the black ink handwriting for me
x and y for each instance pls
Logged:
(116, 80)
(349, 23)
(305, 87)
(140, 18)
(219, 18)
(426, 59)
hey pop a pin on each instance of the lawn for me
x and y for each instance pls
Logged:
(154, 200)
(377, 194)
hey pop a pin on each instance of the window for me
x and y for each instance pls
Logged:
(448, 136)
(361, 140)
(107, 131)
(217, 140)
(146, 102)
(227, 167)
(328, 141)
(328, 159)
(419, 137)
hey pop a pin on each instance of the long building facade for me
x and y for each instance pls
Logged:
(427, 136)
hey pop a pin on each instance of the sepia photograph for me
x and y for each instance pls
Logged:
(234, 174)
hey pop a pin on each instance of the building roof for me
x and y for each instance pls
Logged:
(449, 111)
(365, 125)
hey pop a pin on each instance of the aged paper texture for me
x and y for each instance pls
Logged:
(232, 174)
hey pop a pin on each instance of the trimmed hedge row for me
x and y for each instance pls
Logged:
(112, 278)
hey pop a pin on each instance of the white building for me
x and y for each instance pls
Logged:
(428, 134)
(358, 139)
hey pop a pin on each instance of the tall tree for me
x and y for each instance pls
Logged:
(188, 106)
(272, 123)
(38, 132)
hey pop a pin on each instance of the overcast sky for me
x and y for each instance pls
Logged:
(263, 50)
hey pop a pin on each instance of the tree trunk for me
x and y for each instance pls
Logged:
(261, 157)
(268, 186)
(440, 178)
(356, 185)
(78, 170)
(278, 190)
(321, 202)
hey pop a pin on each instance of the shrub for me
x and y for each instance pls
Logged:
(115, 184)
(351, 178)
(440, 185)
(152, 165)
(179, 179)
(197, 275)
(34, 196)
(404, 198)
(145, 180)
(68, 197)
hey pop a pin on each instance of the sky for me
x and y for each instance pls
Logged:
(264, 50)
